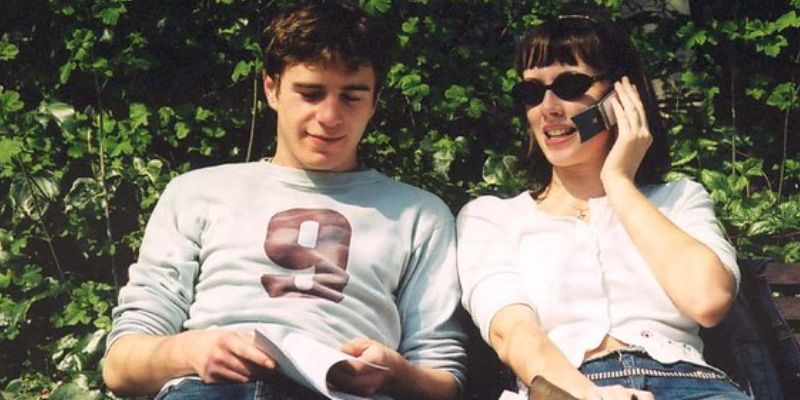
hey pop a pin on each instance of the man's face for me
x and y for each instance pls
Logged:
(322, 114)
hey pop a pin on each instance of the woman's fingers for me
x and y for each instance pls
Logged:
(633, 135)
(617, 392)
(642, 395)
(632, 107)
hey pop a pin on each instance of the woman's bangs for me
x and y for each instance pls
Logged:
(549, 48)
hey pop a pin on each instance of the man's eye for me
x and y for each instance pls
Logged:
(351, 98)
(312, 96)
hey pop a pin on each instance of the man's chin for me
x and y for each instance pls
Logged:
(326, 163)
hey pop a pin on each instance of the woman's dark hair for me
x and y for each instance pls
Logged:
(601, 45)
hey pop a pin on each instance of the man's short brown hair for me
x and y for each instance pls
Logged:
(328, 32)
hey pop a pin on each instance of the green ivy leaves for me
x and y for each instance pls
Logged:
(8, 51)
(106, 100)
(110, 12)
(10, 101)
(88, 305)
(785, 96)
(9, 148)
(31, 195)
(376, 6)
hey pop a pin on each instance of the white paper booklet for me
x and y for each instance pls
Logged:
(307, 361)
(507, 395)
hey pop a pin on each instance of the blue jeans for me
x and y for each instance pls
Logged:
(640, 372)
(277, 388)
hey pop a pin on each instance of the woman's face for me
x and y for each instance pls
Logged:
(550, 120)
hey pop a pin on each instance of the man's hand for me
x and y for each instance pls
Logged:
(141, 364)
(225, 356)
(362, 379)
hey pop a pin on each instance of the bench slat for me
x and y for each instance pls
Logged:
(790, 307)
(783, 273)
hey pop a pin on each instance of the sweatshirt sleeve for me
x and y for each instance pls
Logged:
(487, 261)
(160, 289)
(427, 300)
(694, 214)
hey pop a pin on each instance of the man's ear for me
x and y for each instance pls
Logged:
(375, 102)
(271, 90)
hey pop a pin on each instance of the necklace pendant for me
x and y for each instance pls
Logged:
(581, 214)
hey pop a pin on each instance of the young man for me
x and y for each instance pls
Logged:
(307, 241)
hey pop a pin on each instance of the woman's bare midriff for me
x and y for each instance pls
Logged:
(608, 345)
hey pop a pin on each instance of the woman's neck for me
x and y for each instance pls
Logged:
(579, 183)
(569, 192)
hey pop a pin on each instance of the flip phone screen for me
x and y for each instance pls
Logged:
(596, 118)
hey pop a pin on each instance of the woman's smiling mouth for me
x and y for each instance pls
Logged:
(560, 132)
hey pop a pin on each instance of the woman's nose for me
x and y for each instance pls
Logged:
(551, 104)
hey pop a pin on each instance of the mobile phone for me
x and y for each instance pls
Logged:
(596, 118)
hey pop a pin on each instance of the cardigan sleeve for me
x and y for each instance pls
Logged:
(487, 261)
(694, 214)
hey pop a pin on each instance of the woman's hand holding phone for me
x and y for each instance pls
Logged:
(633, 134)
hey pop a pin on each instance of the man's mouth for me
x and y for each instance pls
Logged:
(554, 133)
(325, 138)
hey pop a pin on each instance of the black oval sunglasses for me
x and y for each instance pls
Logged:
(567, 86)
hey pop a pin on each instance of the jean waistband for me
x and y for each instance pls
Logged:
(628, 372)
(658, 370)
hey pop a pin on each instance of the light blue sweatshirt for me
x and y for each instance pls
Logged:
(334, 255)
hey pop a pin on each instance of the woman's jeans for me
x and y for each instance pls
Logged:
(681, 380)
(271, 389)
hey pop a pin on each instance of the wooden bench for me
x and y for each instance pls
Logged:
(784, 280)
(747, 335)
(758, 344)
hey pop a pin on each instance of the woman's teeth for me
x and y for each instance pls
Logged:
(559, 132)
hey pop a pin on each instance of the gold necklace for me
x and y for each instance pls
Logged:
(581, 213)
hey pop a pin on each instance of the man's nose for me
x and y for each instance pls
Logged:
(330, 112)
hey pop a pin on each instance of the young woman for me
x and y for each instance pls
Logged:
(599, 277)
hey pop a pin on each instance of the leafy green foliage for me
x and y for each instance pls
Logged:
(102, 102)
